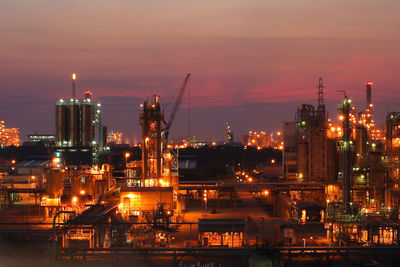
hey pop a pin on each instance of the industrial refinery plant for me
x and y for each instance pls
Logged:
(320, 189)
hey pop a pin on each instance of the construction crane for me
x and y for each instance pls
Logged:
(176, 107)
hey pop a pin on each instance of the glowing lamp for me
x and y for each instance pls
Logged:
(73, 76)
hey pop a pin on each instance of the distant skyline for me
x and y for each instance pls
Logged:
(252, 62)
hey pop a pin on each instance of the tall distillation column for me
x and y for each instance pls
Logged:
(346, 149)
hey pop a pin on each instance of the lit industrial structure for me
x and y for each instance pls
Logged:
(150, 187)
(262, 139)
(79, 125)
(309, 153)
(114, 137)
(346, 157)
(228, 134)
(345, 146)
(8, 136)
(189, 141)
(339, 181)
(47, 139)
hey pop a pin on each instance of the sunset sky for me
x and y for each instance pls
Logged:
(252, 61)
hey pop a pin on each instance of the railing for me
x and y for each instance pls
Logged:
(326, 251)
(116, 253)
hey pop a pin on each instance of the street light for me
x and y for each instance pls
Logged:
(263, 235)
(31, 178)
(127, 155)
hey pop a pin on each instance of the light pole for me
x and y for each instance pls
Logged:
(31, 178)
(13, 164)
(127, 155)
(205, 202)
(263, 235)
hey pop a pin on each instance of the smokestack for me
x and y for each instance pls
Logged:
(73, 85)
(321, 106)
(368, 93)
(320, 93)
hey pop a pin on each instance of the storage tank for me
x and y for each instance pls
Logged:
(103, 137)
(74, 123)
(87, 127)
(62, 133)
